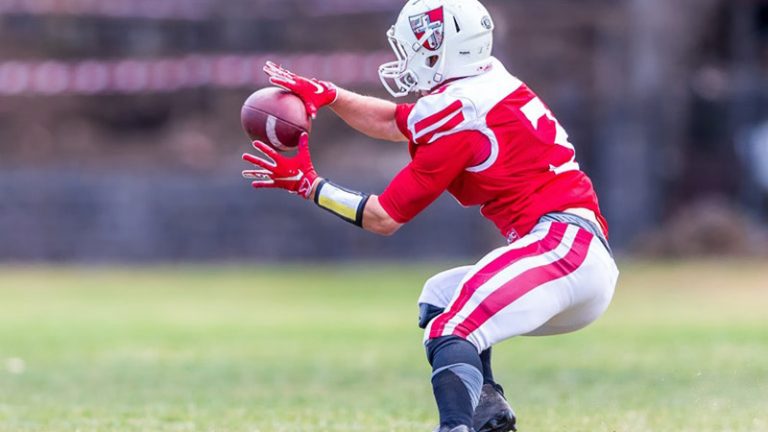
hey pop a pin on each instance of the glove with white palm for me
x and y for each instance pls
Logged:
(295, 174)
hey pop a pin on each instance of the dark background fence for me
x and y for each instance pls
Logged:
(120, 135)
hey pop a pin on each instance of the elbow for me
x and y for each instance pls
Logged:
(377, 220)
(394, 136)
(392, 133)
(390, 136)
(385, 228)
(390, 230)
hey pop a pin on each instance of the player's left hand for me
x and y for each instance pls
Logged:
(314, 93)
(295, 174)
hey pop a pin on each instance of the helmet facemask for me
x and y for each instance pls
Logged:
(395, 76)
(398, 76)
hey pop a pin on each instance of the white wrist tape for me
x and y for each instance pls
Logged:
(346, 204)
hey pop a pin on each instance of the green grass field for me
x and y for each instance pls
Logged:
(683, 348)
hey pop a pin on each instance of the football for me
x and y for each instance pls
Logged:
(276, 117)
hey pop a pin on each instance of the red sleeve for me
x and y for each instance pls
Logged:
(434, 167)
(401, 118)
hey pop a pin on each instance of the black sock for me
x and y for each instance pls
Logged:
(453, 400)
(456, 379)
(485, 359)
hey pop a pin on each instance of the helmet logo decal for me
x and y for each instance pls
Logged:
(432, 23)
(487, 23)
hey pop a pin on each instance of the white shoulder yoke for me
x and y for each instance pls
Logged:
(460, 106)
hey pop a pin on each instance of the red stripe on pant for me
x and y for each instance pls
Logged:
(525, 283)
(547, 244)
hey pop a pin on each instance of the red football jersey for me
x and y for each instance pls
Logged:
(491, 142)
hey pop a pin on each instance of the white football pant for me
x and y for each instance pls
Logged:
(557, 279)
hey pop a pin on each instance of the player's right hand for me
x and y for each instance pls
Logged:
(295, 174)
(314, 93)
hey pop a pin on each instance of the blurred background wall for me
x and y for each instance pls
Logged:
(120, 135)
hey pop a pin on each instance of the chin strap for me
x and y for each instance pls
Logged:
(440, 74)
(346, 204)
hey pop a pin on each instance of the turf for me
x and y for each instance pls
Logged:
(684, 347)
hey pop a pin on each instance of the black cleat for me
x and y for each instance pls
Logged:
(461, 428)
(493, 413)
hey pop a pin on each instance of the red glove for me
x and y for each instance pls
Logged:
(296, 174)
(314, 93)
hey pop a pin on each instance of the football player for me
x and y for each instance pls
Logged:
(481, 134)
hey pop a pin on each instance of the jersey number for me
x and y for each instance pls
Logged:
(534, 111)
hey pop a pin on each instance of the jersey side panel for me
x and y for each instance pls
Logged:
(524, 168)
(532, 169)
(532, 150)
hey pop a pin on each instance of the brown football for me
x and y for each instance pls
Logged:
(276, 117)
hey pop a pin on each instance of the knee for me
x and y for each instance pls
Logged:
(435, 296)
(428, 312)
(435, 292)
(440, 288)
(432, 300)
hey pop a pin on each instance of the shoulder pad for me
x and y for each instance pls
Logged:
(438, 115)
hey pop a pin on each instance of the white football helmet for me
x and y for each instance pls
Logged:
(437, 40)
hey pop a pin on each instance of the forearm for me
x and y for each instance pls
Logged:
(359, 209)
(371, 116)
